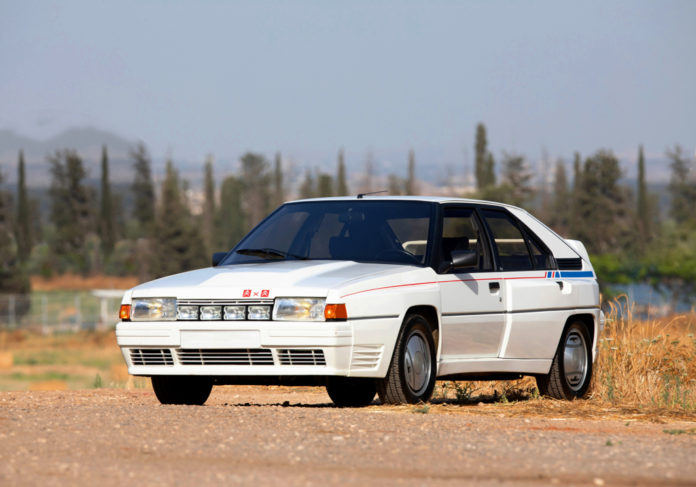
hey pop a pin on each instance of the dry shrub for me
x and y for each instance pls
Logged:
(646, 363)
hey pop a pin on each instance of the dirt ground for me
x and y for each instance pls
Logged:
(294, 436)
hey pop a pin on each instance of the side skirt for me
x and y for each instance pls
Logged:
(486, 366)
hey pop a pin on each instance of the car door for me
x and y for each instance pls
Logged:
(472, 300)
(535, 299)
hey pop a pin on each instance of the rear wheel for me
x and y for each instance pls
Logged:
(174, 389)
(411, 375)
(571, 370)
(351, 392)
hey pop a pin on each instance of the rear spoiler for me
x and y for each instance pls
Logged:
(578, 246)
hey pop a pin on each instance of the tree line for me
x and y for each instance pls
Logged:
(88, 231)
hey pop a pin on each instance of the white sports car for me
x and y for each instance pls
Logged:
(375, 295)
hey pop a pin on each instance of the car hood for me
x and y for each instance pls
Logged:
(267, 280)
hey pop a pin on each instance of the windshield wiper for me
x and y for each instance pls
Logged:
(270, 254)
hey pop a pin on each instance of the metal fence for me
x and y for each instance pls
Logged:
(54, 311)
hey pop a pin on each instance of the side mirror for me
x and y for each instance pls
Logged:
(217, 258)
(464, 259)
(461, 259)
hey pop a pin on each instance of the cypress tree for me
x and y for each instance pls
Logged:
(230, 217)
(480, 148)
(107, 225)
(178, 246)
(490, 170)
(255, 179)
(485, 164)
(24, 232)
(278, 188)
(341, 184)
(307, 187)
(71, 209)
(682, 188)
(560, 213)
(143, 191)
(369, 176)
(410, 187)
(208, 205)
(396, 184)
(643, 207)
(574, 219)
(324, 185)
(13, 279)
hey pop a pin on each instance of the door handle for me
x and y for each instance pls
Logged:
(560, 284)
(494, 287)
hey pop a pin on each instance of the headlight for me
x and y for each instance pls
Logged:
(187, 313)
(259, 312)
(299, 309)
(153, 309)
(235, 312)
(211, 313)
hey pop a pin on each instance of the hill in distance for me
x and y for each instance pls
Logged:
(87, 141)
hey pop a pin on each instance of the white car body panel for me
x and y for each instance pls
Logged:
(515, 328)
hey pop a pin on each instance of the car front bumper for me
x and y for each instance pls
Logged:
(362, 348)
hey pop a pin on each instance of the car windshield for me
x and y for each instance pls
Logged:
(366, 231)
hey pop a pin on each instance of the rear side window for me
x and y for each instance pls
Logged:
(539, 256)
(509, 242)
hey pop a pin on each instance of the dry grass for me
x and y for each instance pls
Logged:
(647, 363)
(75, 282)
(83, 360)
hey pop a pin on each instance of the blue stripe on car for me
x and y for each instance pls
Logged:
(572, 274)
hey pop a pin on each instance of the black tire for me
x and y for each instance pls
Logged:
(575, 349)
(174, 389)
(351, 392)
(411, 375)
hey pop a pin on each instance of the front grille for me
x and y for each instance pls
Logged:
(301, 357)
(571, 264)
(223, 302)
(217, 309)
(225, 356)
(151, 356)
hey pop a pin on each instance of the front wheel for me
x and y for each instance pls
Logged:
(411, 375)
(571, 370)
(176, 389)
(351, 392)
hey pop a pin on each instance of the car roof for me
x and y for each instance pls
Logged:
(557, 244)
(429, 199)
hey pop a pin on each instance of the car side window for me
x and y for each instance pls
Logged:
(461, 230)
(510, 244)
(539, 256)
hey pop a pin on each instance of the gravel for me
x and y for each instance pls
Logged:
(294, 436)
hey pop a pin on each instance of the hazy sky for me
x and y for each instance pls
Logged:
(308, 77)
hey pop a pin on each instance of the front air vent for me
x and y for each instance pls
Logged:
(366, 356)
(301, 357)
(231, 356)
(571, 264)
(151, 356)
